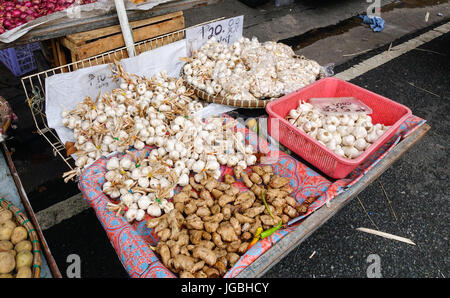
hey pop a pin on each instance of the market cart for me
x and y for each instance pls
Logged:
(282, 245)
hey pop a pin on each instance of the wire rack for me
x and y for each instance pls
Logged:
(34, 85)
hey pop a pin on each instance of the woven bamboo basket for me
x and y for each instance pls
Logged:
(22, 220)
(247, 104)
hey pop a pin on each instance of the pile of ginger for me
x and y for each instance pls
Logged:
(213, 222)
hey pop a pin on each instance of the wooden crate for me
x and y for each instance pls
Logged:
(87, 44)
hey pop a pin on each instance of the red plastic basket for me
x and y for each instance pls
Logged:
(385, 111)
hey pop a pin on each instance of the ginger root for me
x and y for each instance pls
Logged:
(213, 222)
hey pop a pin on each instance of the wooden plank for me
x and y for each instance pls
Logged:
(83, 37)
(62, 28)
(123, 53)
(283, 247)
(116, 41)
(54, 51)
(61, 56)
(68, 44)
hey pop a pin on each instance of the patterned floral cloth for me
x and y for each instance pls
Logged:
(131, 241)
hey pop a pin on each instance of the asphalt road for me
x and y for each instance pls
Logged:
(416, 184)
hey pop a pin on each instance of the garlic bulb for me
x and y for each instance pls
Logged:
(154, 210)
(121, 119)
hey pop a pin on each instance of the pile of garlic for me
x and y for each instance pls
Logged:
(142, 186)
(192, 146)
(249, 70)
(158, 112)
(130, 116)
(346, 135)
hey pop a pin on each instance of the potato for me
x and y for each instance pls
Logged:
(5, 215)
(24, 259)
(6, 245)
(5, 233)
(24, 272)
(9, 223)
(7, 262)
(12, 252)
(18, 234)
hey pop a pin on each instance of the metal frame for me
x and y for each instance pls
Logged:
(319, 217)
(34, 85)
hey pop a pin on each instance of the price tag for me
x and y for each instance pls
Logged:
(340, 105)
(228, 30)
(99, 80)
(65, 90)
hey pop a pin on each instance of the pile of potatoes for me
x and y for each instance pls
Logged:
(15, 250)
(213, 222)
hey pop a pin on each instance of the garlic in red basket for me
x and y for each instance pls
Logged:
(347, 135)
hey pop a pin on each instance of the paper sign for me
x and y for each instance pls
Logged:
(228, 30)
(340, 105)
(65, 90)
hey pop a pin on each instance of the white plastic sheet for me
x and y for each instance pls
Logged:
(152, 62)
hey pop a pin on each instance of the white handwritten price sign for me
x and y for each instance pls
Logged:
(228, 30)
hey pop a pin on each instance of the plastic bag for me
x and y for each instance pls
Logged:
(328, 70)
(142, 4)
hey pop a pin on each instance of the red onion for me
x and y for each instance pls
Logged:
(14, 13)
(7, 24)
